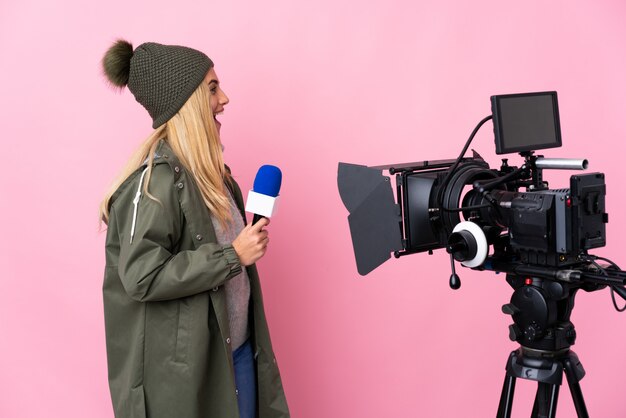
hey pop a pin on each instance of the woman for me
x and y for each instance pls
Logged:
(185, 326)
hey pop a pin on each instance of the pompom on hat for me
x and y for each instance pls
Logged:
(161, 77)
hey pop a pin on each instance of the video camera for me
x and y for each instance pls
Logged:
(503, 220)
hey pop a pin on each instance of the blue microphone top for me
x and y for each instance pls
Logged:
(267, 180)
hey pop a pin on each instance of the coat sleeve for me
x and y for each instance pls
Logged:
(149, 268)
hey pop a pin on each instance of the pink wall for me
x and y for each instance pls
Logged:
(311, 84)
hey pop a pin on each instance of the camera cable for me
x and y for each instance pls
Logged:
(458, 160)
(591, 258)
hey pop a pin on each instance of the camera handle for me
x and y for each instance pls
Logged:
(455, 280)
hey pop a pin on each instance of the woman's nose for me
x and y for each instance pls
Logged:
(224, 99)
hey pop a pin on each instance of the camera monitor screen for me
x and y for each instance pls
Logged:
(526, 122)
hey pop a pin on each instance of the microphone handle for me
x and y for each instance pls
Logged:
(256, 218)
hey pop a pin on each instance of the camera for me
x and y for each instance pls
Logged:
(505, 220)
(465, 206)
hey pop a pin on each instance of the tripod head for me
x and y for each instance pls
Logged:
(541, 311)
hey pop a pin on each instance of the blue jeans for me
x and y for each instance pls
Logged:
(245, 380)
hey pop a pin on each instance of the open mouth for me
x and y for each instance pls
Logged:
(215, 115)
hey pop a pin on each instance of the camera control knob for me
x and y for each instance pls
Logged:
(510, 309)
(514, 332)
(532, 332)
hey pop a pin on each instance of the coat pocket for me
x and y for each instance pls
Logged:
(137, 403)
(183, 331)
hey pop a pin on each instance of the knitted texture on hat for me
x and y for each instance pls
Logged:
(163, 77)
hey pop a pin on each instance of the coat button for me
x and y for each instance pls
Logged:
(165, 156)
(180, 185)
(199, 237)
(215, 289)
(228, 340)
(177, 169)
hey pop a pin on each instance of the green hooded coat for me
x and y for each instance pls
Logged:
(168, 344)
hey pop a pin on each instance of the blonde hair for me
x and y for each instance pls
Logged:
(194, 139)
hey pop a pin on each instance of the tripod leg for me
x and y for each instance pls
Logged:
(506, 398)
(545, 401)
(574, 387)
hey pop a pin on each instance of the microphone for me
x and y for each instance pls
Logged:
(263, 198)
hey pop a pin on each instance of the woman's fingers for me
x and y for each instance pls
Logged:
(262, 223)
(251, 244)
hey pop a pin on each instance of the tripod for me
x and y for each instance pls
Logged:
(547, 369)
(541, 310)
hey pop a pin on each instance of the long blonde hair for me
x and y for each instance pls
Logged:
(193, 137)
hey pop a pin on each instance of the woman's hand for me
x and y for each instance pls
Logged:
(251, 243)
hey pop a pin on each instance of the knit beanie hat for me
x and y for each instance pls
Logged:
(161, 77)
